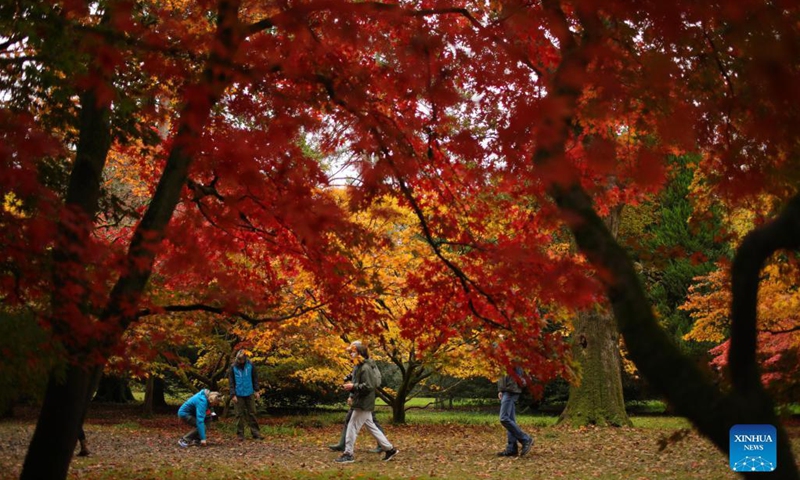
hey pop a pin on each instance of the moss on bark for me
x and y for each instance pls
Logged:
(597, 399)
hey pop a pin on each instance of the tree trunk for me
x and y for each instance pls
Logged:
(57, 427)
(114, 389)
(8, 411)
(65, 402)
(147, 408)
(659, 360)
(399, 409)
(153, 395)
(159, 393)
(597, 399)
(67, 396)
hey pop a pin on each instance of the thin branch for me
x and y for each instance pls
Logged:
(200, 377)
(420, 408)
(467, 284)
(199, 190)
(722, 70)
(253, 320)
(782, 332)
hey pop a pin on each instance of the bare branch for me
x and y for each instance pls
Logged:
(253, 320)
(781, 233)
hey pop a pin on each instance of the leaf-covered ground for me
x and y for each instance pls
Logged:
(129, 447)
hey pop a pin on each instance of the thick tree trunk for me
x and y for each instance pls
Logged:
(399, 410)
(153, 395)
(597, 399)
(65, 402)
(113, 389)
(57, 427)
(8, 410)
(660, 361)
(66, 397)
(159, 393)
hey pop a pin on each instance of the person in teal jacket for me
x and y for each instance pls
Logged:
(243, 382)
(193, 412)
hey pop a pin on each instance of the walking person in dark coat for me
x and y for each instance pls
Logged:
(508, 393)
(339, 447)
(366, 378)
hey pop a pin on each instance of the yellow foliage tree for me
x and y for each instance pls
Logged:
(709, 304)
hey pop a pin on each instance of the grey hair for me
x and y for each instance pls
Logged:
(360, 348)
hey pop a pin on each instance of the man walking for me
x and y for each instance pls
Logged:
(243, 382)
(339, 447)
(366, 378)
(508, 393)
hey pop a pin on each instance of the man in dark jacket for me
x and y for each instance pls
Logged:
(508, 393)
(243, 381)
(339, 447)
(362, 392)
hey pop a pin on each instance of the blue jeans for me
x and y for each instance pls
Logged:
(508, 418)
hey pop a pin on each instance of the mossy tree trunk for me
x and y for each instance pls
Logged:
(597, 399)
(667, 369)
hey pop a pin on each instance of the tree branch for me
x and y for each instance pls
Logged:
(781, 233)
(253, 320)
(782, 332)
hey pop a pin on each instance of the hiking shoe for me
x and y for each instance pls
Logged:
(377, 449)
(83, 453)
(345, 458)
(506, 453)
(390, 454)
(526, 447)
(183, 443)
(336, 448)
(194, 443)
(240, 438)
(257, 437)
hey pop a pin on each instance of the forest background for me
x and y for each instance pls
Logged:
(592, 190)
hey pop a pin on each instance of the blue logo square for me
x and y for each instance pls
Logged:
(753, 448)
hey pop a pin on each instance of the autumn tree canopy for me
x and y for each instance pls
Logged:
(500, 125)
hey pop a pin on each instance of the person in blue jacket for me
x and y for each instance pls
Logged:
(243, 381)
(194, 412)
